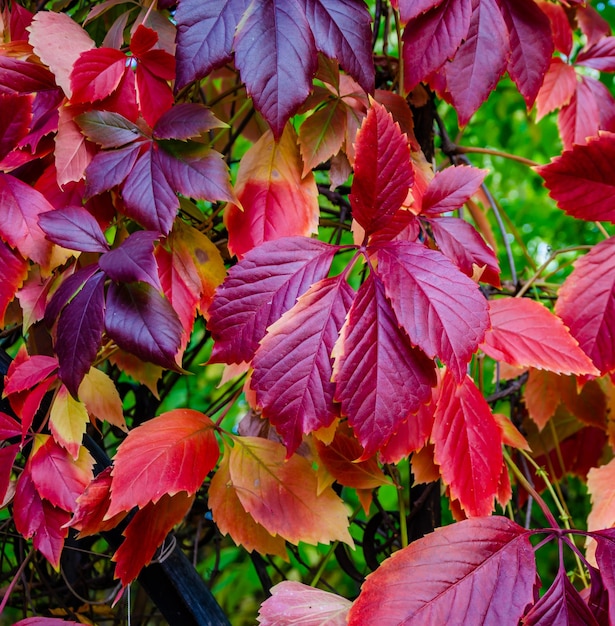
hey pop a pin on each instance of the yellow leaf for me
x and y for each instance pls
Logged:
(68, 419)
(101, 398)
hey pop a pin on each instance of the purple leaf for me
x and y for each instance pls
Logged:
(133, 260)
(204, 177)
(149, 198)
(108, 169)
(605, 558)
(276, 56)
(293, 366)
(260, 289)
(186, 120)
(142, 322)
(21, 77)
(74, 228)
(441, 309)
(15, 119)
(79, 332)
(108, 129)
(69, 287)
(205, 32)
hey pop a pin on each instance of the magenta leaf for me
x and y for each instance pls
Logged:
(380, 378)
(605, 558)
(79, 332)
(143, 323)
(441, 309)
(15, 118)
(30, 373)
(451, 188)
(21, 77)
(531, 45)
(409, 9)
(462, 244)
(109, 169)
(433, 37)
(149, 198)
(108, 129)
(133, 260)
(68, 288)
(186, 120)
(600, 56)
(383, 173)
(205, 32)
(74, 228)
(8, 454)
(436, 579)
(293, 365)
(561, 604)
(260, 289)
(9, 427)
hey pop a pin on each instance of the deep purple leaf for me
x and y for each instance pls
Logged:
(110, 168)
(259, 290)
(133, 260)
(185, 120)
(74, 228)
(69, 287)
(205, 32)
(15, 119)
(432, 38)
(409, 9)
(108, 129)
(276, 56)
(342, 31)
(441, 309)
(380, 378)
(79, 332)
(561, 604)
(204, 177)
(143, 323)
(149, 198)
(293, 366)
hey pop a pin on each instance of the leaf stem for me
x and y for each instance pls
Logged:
(497, 153)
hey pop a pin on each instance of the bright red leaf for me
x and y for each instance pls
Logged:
(434, 580)
(383, 174)
(525, 333)
(586, 304)
(381, 379)
(13, 269)
(580, 119)
(440, 308)
(97, 74)
(467, 445)
(168, 454)
(557, 89)
(451, 188)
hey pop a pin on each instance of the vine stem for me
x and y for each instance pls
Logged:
(528, 487)
(496, 153)
(17, 576)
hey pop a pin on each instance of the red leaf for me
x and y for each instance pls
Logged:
(168, 454)
(600, 56)
(14, 270)
(72, 152)
(557, 89)
(8, 454)
(383, 173)
(276, 200)
(29, 373)
(462, 244)
(21, 77)
(142, 322)
(581, 180)
(586, 304)
(293, 366)
(433, 37)
(143, 39)
(560, 26)
(21, 207)
(154, 94)
(146, 531)
(525, 333)
(480, 61)
(380, 378)
(440, 308)
(58, 477)
(531, 45)
(451, 188)
(279, 32)
(592, 24)
(432, 581)
(15, 119)
(9, 427)
(468, 445)
(205, 33)
(294, 603)
(74, 228)
(580, 119)
(58, 41)
(561, 604)
(97, 74)
(259, 290)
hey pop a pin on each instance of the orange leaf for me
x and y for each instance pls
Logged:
(277, 200)
(542, 396)
(510, 435)
(168, 454)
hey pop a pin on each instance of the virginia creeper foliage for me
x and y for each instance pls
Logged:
(241, 254)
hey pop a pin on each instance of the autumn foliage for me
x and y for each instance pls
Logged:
(234, 258)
